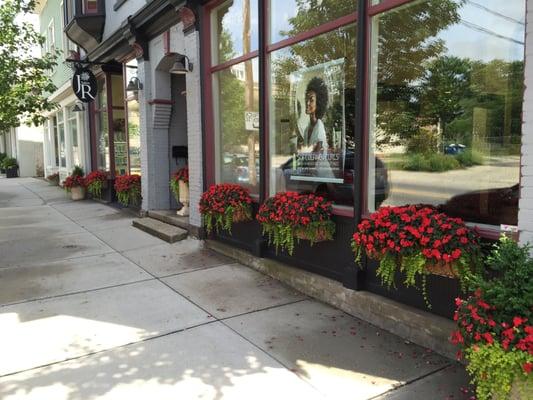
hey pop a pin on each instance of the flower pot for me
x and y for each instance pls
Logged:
(183, 198)
(321, 235)
(53, 182)
(77, 193)
(12, 172)
(521, 389)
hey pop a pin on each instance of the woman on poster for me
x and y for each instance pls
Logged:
(316, 103)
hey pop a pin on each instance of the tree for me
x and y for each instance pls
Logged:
(24, 82)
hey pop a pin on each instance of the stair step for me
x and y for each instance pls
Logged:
(170, 217)
(168, 233)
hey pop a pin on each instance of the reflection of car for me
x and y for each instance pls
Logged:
(489, 206)
(340, 193)
(453, 149)
(236, 169)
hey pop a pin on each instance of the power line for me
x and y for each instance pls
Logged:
(489, 32)
(508, 18)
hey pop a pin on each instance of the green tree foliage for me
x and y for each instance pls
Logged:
(24, 82)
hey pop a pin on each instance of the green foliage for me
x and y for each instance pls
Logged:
(425, 141)
(24, 78)
(95, 188)
(77, 171)
(494, 371)
(470, 158)
(508, 281)
(437, 162)
(224, 221)
(434, 162)
(387, 270)
(130, 197)
(9, 162)
(284, 236)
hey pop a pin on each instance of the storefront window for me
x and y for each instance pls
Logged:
(237, 114)
(56, 141)
(312, 111)
(102, 128)
(446, 87)
(290, 17)
(234, 29)
(120, 141)
(133, 118)
(61, 134)
(73, 129)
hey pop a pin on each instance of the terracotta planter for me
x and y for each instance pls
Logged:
(77, 193)
(240, 216)
(183, 198)
(320, 236)
(522, 389)
(53, 182)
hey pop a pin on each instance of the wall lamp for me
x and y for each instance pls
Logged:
(182, 65)
(134, 85)
(78, 107)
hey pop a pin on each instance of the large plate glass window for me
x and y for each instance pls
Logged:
(102, 128)
(236, 93)
(312, 113)
(133, 118)
(446, 86)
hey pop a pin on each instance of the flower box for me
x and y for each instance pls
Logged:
(95, 182)
(417, 241)
(128, 189)
(223, 205)
(288, 216)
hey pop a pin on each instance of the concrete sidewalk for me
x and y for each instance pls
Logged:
(92, 308)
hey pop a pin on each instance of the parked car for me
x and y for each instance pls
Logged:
(235, 168)
(500, 206)
(453, 149)
(340, 193)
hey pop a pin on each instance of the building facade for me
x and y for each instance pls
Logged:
(65, 136)
(366, 102)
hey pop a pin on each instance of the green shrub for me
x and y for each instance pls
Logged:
(434, 162)
(77, 171)
(470, 158)
(9, 162)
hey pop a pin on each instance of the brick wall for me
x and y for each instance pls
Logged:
(525, 215)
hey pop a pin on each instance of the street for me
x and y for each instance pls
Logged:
(92, 308)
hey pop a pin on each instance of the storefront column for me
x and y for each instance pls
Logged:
(525, 214)
(194, 127)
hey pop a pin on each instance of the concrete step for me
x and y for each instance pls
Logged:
(170, 217)
(168, 233)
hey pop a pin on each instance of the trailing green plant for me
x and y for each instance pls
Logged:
(95, 182)
(417, 241)
(495, 371)
(431, 162)
(128, 189)
(494, 323)
(289, 216)
(223, 205)
(469, 158)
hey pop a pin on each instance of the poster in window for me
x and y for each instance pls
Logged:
(317, 106)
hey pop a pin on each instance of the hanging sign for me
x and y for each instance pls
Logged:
(84, 85)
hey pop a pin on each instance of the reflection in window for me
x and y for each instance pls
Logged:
(72, 127)
(134, 138)
(235, 29)
(445, 107)
(290, 17)
(102, 129)
(312, 116)
(120, 142)
(236, 106)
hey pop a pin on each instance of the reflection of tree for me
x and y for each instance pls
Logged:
(420, 87)
(407, 41)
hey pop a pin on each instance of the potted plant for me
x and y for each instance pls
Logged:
(11, 167)
(495, 325)
(179, 183)
(288, 216)
(223, 205)
(128, 188)
(95, 182)
(416, 241)
(53, 179)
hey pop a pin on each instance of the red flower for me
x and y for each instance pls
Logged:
(527, 367)
(517, 321)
